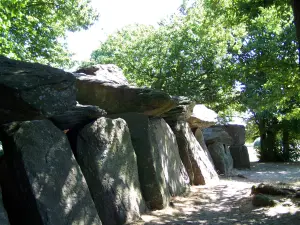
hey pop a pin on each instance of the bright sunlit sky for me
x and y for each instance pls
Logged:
(114, 14)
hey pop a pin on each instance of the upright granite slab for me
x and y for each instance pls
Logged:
(222, 158)
(237, 133)
(240, 156)
(50, 187)
(33, 91)
(165, 144)
(3, 214)
(154, 185)
(107, 159)
(196, 160)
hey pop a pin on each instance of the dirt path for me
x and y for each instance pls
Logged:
(229, 202)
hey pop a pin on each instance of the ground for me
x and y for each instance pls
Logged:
(229, 201)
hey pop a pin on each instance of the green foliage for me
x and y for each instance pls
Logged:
(186, 55)
(252, 131)
(34, 30)
(229, 54)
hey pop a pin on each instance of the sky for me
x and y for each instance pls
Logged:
(115, 14)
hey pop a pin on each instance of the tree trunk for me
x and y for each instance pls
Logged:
(268, 133)
(296, 9)
(285, 144)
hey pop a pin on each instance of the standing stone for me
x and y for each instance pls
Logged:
(240, 156)
(196, 160)
(151, 171)
(200, 138)
(3, 214)
(216, 134)
(108, 161)
(221, 157)
(165, 143)
(33, 91)
(50, 187)
(236, 132)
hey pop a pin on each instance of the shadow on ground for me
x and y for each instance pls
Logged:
(229, 202)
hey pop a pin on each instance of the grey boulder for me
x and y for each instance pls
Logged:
(216, 134)
(106, 72)
(182, 111)
(155, 188)
(221, 157)
(78, 116)
(236, 132)
(165, 143)
(196, 160)
(115, 97)
(33, 91)
(202, 117)
(107, 159)
(50, 188)
(240, 156)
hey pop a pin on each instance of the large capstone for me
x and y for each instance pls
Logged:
(196, 160)
(105, 72)
(108, 161)
(33, 91)
(182, 111)
(202, 117)
(49, 187)
(78, 116)
(115, 97)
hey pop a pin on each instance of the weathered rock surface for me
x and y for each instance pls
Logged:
(117, 98)
(77, 116)
(108, 161)
(216, 134)
(149, 159)
(202, 117)
(106, 72)
(236, 132)
(200, 138)
(270, 189)
(50, 188)
(3, 214)
(261, 200)
(182, 111)
(33, 91)
(240, 156)
(196, 160)
(165, 143)
(221, 157)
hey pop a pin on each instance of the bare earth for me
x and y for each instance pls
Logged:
(229, 201)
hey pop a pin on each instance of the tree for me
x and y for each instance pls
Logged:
(34, 30)
(186, 55)
(268, 72)
(236, 54)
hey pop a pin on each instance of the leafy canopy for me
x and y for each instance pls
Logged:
(34, 30)
(186, 55)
